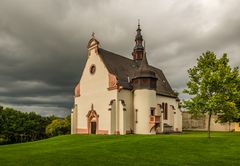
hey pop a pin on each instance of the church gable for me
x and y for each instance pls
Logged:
(95, 75)
(120, 70)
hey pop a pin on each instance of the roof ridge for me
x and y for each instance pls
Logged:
(155, 67)
(116, 54)
(123, 67)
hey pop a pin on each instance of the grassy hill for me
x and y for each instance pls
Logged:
(182, 149)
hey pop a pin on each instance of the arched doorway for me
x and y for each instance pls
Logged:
(93, 127)
(92, 120)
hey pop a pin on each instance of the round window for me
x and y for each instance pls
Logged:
(92, 69)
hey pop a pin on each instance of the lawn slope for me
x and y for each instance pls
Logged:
(183, 149)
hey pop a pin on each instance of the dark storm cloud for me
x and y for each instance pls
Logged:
(40, 55)
(43, 42)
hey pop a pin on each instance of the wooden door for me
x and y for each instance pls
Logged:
(93, 127)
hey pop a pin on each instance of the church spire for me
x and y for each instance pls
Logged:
(144, 76)
(144, 63)
(138, 49)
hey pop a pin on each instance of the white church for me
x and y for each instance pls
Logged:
(118, 95)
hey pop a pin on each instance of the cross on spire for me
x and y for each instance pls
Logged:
(93, 35)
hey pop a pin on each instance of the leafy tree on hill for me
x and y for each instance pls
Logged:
(16, 126)
(214, 88)
(59, 127)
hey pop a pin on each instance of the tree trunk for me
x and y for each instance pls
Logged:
(209, 124)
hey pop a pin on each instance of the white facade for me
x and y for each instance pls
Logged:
(103, 107)
(144, 100)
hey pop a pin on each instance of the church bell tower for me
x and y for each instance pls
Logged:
(144, 91)
(139, 48)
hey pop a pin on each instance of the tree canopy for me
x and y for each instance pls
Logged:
(59, 127)
(214, 88)
(16, 126)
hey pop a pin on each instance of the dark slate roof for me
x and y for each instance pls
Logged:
(144, 70)
(124, 69)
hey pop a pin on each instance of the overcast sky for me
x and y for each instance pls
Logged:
(43, 42)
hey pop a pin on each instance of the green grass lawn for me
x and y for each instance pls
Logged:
(192, 148)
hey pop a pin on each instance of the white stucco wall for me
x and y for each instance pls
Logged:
(113, 117)
(143, 101)
(125, 117)
(174, 115)
(94, 90)
(74, 120)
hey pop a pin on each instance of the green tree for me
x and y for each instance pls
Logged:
(213, 87)
(231, 116)
(59, 127)
(16, 126)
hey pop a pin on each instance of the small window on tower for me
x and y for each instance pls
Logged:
(136, 120)
(152, 111)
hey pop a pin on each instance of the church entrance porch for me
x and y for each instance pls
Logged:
(92, 121)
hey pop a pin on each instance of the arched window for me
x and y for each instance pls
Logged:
(136, 120)
(165, 111)
(163, 106)
(152, 111)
